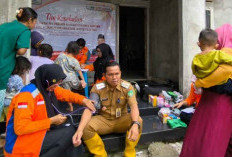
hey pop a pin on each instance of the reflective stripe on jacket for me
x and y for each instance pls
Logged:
(27, 121)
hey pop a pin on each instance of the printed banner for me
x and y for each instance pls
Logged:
(61, 21)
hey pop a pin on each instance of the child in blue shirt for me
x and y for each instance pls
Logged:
(16, 82)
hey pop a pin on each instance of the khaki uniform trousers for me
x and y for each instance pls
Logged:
(102, 126)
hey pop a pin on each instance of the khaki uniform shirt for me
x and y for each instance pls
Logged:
(111, 99)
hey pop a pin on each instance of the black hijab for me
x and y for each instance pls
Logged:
(100, 63)
(45, 76)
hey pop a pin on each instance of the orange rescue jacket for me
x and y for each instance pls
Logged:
(91, 68)
(82, 55)
(27, 120)
(193, 97)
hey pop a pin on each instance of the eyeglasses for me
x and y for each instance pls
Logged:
(56, 84)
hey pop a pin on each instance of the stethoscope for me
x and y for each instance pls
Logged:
(73, 113)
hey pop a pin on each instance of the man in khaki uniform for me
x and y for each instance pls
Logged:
(113, 95)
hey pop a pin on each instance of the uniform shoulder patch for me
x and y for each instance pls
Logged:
(125, 84)
(100, 86)
(130, 93)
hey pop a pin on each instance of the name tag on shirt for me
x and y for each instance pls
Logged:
(100, 85)
(118, 112)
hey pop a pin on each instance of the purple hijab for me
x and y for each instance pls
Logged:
(35, 38)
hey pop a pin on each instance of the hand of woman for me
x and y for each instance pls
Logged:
(58, 119)
(90, 104)
(178, 105)
(83, 66)
(83, 84)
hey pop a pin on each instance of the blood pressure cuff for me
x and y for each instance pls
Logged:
(95, 97)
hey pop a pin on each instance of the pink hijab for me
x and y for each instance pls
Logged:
(224, 36)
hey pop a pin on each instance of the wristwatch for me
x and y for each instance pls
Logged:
(136, 122)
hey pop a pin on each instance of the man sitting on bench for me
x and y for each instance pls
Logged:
(111, 98)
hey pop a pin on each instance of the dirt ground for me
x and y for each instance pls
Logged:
(156, 149)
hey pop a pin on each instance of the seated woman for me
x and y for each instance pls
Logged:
(34, 127)
(105, 55)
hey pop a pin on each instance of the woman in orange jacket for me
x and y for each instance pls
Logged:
(34, 126)
(83, 52)
(105, 55)
(193, 97)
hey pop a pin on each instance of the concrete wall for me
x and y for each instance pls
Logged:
(222, 12)
(8, 9)
(174, 30)
(164, 39)
(193, 21)
(4, 11)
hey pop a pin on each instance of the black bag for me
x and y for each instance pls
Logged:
(143, 84)
(186, 117)
(154, 88)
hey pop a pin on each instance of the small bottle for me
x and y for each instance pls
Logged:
(154, 103)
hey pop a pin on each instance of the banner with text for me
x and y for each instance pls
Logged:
(61, 21)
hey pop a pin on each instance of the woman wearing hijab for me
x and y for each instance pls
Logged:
(210, 131)
(36, 40)
(105, 55)
(34, 128)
